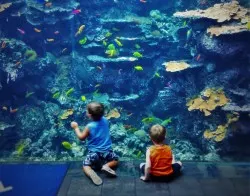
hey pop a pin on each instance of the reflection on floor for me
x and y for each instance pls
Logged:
(198, 179)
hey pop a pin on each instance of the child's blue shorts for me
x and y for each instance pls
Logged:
(97, 159)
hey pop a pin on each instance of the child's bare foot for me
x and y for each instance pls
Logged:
(95, 178)
(108, 171)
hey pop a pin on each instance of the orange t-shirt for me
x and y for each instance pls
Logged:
(161, 160)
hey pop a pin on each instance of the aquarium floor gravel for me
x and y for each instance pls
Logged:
(198, 179)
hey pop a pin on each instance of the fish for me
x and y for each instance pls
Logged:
(189, 33)
(168, 84)
(67, 145)
(50, 40)
(48, 4)
(120, 71)
(21, 31)
(28, 94)
(64, 50)
(37, 30)
(184, 23)
(115, 29)
(3, 44)
(138, 68)
(12, 111)
(157, 75)
(130, 114)
(99, 67)
(198, 57)
(108, 34)
(143, 1)
(137, 54)
(56, 95)
(137, 46)
(97, 85)
(80, 30)
(17, 63)
(56, 32)
(104, 43)
(69, 92)
(76, 11)
(4, 108)
(118, 42)
(83, 41)
(83, 98)
(248, 26)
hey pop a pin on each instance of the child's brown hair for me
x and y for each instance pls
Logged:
(157, 133)
(96, 110)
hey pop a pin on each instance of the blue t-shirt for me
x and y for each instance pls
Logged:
(99, 137)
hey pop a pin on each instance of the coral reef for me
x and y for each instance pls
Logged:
(227, 29)
(174, 66)
(208, 101)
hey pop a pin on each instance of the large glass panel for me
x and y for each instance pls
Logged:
(181, 64)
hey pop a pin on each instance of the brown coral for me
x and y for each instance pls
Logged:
(208, 101)
(173, 66)
(113, 114)
(220, 12)
(4, 6)
(227, 29)
(220, 133)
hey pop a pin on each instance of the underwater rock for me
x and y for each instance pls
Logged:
(117, 132)
(100, 59)
(30, 121)
(4, 126)
(12, 58)
(225, 49)
(38, 14)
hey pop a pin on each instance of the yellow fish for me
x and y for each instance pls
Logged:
(80, 30)
(67, 145)
(118, 42)
(248, 26)
(83, 98)
(138, 68)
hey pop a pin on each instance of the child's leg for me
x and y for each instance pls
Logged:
(111, 160)
(91, 158)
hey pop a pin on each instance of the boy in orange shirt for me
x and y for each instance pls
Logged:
(160, 163)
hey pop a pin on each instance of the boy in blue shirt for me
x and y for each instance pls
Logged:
(100, 154)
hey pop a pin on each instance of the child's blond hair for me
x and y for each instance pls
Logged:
(157, 133)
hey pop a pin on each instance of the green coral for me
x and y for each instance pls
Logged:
(30, 55)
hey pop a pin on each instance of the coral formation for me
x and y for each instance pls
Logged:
(66, 114)
(173, 66)
(30, 55)
(209, 99)
(220, 133)
(219, 12)
(227, 29)
(4, 6)
(114, 113)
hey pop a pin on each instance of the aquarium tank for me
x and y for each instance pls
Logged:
(184, 64)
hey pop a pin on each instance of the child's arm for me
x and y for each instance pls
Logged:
(147, 166)
(81, 135)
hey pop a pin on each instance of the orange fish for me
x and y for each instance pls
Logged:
(18, 63)
(5, 108)
(13, 111)
(56, 32)
(98, 67)
(198, 57)
(50, 40)
(49, 4)
(37, 30)
(3, 44)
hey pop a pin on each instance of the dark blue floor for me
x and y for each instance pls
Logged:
(32, 179)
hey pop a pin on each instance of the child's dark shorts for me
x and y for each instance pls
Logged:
(97, 159)
(176, 172)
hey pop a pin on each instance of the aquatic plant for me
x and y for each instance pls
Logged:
(30, 55)
(208, 101)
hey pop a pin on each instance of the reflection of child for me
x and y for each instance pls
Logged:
(160, 163)
(100, 154)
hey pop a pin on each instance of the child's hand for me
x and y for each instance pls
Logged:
(74, 124)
